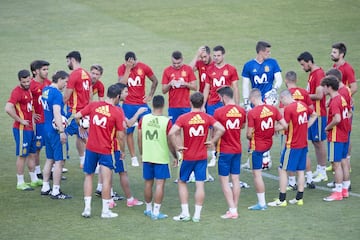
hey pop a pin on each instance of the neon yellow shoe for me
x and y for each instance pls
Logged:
(37, 183)
(278, 203)
(329, 168)
(24, 187)
(299, 202)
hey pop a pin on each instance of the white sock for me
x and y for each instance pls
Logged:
(197, 211)
(148, 206)
(45, 187)
(33, 176)
(346, 184)
(20, 179)
(213, 153)
(156, 210)
(37, 169)
(105, 205)
(323, 170)
(318, 168)
(130, 199)
(292, 180)
(309, 176)
(111, 192)
(233, 210)
(82, 160)
(185, 210)
(87, 201)
(55, 190)
(338, 187)
(99, 187)
(134, 158)
(261, 199)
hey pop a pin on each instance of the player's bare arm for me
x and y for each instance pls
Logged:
(67, 94)
(129, 64)
(353, 88)
(206, 94)
(249, 133)
(10, 110)
(154, 83)
(218, 132)
(196, 57)
(191, 85)
(235, 87)
(130, 122)
(319, 93)
(312, 119)
(58, 122)
(335, 121)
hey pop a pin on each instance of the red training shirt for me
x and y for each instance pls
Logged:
(22, 100)
(80, 82)
(36, 91)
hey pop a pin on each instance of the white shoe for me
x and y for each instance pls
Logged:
(212, 162)
(192, 177)
(134, 162)
(320, 177)
(108, 214)
(65, 170)
(331, 185)
(210, 178)
(246, 165)
(86, 213)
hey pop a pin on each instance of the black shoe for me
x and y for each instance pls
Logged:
(310, 185)
(39, 176)
(46, 193)
(349, 188)
(61, 195)
(116, 197)
(98, 193)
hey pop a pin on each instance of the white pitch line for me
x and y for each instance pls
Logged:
(273, 177)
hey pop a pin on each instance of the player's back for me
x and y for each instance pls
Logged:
(80, 82)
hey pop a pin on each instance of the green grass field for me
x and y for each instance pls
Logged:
(153, 29)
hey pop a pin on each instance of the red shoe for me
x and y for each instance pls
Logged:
(335, 196)
(345, 193)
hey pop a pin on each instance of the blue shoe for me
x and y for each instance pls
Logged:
(257, 207)
(159, 216)
(148, 213)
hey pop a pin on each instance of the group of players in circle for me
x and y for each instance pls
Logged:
(210, 117)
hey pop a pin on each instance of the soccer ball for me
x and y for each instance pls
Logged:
(266, 163)
(64, 123)
(85, 122)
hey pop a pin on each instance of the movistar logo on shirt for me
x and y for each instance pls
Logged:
(151, 136)
(196, 120)
(265, 112)
(233, 112)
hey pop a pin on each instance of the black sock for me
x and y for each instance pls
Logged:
(299, 195)
(282, 197)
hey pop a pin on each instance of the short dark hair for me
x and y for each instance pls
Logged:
(197, 99)
(130, 55)
(219, 48)
(330, 81)
(40, 63)
(113, 91)
(225, 90)
(59, 75)
(75, 55)
(262, 46)
(97, 67)
(207, 49)
(335, 72)
(306, 57)
(121, 86)
(291, 76)
(158, 101)
(23, 74)
(176, 55)
(32, 67)
(341, 47)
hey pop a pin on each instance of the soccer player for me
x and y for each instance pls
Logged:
(201, 62)
(40, 70)
(262, 124)
(19, 107)
(96, 72)
(77, 95)
(154, 147)
(177, 80)
(195, 126)
(293, 156)
(106, 120)
(338, 128)
(133, 73)
(55, 138)
(338, 53)
(233, 118)
(263, 73)
(298, 94)
(218, 75)
(316, 132)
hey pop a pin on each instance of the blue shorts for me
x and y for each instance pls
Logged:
(54, 150)
(155, 170)
(72, 128)
(337, 151)
(120, 165)
(229, 164)
(198, 167)
(24, 142)
(92, 159)
(257, 159)
(210, 109)
(39, 135)
(130, 110)
(316, 132)
(293, 159)
(174, 113)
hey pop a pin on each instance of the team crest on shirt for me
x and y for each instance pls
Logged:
(265, 112)
(226, 72)
(196, 120)
(84, 75)
(267, 68)
(183, 74)
(104, 110)
(300, 108)
(203, 68)
(297, 95)
(39, 90)
(233, 112)
(140, 72)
